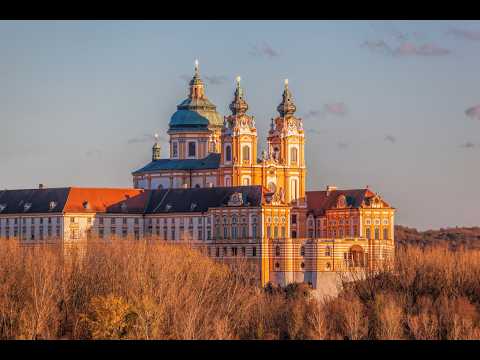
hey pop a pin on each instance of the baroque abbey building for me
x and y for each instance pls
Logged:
(217, 193)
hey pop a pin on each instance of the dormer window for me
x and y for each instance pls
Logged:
(2, 207)
(124, 207)
(168, 207)
(27, 206)
(193, 206)
(86, 205)
(52, 205)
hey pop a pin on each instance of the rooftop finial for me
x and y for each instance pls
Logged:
(286, 107)
(196, 66)
(156, 137)
(238, 78)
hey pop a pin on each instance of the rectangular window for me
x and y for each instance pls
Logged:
(217, 252)
(294, 218)
(173, 233)
(124, 232)
(200, 234)
(244, 252)
(254, 231)
(175, 149)
(234, 251)
(192, 149)
(254, 251)
(385, 233)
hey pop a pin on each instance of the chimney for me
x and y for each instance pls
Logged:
(41, 186)
(330, 188)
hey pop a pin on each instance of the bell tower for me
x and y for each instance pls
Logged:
(286, 148)
(239, 143)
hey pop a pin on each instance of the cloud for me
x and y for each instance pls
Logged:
(390, 138)
(465, 34)
(406, 49)
(343, 145)
(467, 145)
(263, 49)
(94, 153)
(337, 108)
(473, 112)
(145, 138)
(378, 46)
(333, 108)
(312, 114)
(216, 79)
(428, 49)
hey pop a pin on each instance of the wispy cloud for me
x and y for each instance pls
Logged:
(465, 34)
(343, 145)
(94, 153)
(263, 49)
(312, 114)
(145, 138)
(216, 79)
(468, 145)
(336, 108)
(473, 112)
(390, 138)
(406, 49)
(333, 108)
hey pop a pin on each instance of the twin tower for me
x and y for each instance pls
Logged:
(208, 151)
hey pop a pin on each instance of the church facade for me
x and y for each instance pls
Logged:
(215, 192)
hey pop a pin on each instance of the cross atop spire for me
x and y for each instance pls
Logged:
(196, 67)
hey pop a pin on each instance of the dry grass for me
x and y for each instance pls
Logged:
(152, 290)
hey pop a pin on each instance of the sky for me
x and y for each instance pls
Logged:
(390, 104)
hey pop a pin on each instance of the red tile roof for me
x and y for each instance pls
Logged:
(318, 201)
(98, 199)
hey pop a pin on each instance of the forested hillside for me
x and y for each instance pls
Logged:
(453, 237)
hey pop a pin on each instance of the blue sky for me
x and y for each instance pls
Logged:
(394, 105)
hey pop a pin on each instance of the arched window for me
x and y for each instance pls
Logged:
(367, 233)
(246, 152)
(228, 153)
(246, 181)
(377, 233)
(228, 181)
(277, 251)
(294, 189)
(293, 155)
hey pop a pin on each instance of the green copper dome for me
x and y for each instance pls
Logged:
(196, 111)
